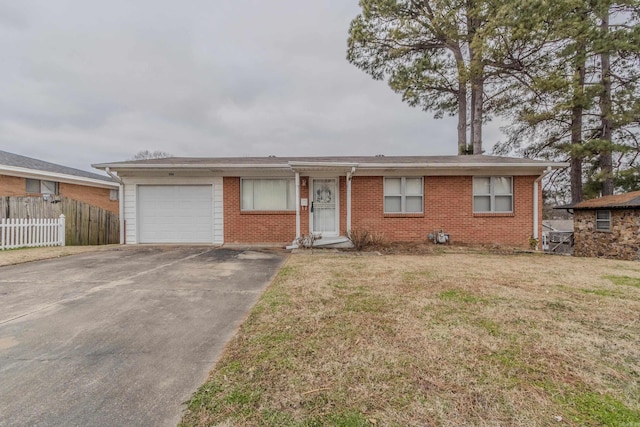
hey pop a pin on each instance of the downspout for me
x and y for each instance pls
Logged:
(536, 207)
(349, 175)
(120, 203)
(297, 207)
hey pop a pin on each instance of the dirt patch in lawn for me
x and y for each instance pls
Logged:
(18, 256)
(447, 340)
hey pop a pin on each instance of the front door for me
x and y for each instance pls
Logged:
(324, 206)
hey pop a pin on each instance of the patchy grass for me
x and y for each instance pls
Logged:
(446, 340)
(624, 280)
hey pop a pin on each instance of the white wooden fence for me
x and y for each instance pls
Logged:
(30, 233)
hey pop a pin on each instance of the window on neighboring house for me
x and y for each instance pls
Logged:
(603, 220)
(403, 195)
(492, 194)
(267, 194)
(37, 186)
(113, 195)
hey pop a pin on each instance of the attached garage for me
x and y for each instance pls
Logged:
(175, 214)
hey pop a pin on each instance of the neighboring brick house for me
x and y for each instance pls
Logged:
(475, 199)
(608, 227)
(25, 176)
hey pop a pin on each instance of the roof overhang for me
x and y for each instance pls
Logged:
(53, 176)
(435, 168)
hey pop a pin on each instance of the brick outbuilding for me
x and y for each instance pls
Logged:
(608, 227)
(275, 200)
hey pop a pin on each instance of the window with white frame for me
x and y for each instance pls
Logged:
(267, 194)
(114, 195)
(37, 186)
(403, 195)
(603, 220)
(493, 194)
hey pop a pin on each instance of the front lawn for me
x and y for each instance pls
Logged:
(447, 340)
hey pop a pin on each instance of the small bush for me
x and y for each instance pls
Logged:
(362, 239)
(307, 241)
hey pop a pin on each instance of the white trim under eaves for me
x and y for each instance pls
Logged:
(53, 176)
(459, 165)
(214, 166)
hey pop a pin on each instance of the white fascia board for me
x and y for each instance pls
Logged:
(53, 176)
(545, 165)
(211, 166)
(332, 166)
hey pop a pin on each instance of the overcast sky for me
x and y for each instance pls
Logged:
(87, 81)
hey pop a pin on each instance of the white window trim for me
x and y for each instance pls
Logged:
(259, 178)
(402, 195)
(603, 221)
(492, 195)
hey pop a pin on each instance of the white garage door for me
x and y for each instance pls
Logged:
(175, 213)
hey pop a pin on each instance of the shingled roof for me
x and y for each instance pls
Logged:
(18, 161)
(617, 201)
(273, 160)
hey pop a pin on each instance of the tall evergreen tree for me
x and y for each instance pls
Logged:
(444, 56)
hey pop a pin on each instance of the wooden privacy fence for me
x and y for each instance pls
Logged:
(31, 233)
(85, 224)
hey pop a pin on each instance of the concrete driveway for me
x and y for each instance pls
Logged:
(120, 337)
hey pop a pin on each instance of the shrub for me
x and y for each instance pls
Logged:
(362, 239)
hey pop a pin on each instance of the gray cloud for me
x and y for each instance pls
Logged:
(86, 82)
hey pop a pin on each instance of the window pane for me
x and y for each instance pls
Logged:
(392, 204)
(268, 194)
(48, 187)
(503, 204)
(603, 225)
(33, 185)
(482, 204)
(481, 185)
(413, 186)
(291, 194)
(247, 194)
(414, 204)
(392, 186)
(603, 214)
(502, 185)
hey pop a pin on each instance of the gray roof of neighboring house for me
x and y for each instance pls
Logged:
(361, 160)
(18, 161)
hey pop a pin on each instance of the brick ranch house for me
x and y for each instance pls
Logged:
(24, 176)
(608, 227)
(274, 200)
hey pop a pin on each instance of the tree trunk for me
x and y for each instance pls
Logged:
(462, 100)
(462, 118)
(606, 158)
(476, 77)
(477, 91)
(577, 113)
(576, 123)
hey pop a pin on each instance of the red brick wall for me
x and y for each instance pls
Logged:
(16, 186)
(12, 186)
(93, 195)
(254, 227)
(448, 204)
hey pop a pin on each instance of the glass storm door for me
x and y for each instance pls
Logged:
(324, 206)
